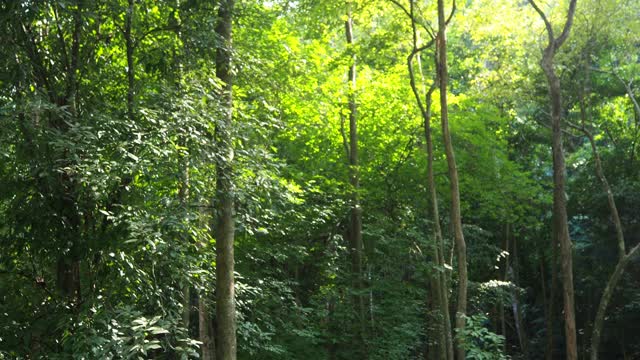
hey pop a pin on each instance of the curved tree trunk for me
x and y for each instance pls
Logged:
(606, 297)
(440, 282)
(623, 256)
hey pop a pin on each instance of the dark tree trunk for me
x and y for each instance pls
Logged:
(549, 301)
(523, 339)
(68, 267)
(504, 277)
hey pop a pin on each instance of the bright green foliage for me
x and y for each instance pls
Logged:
(480, 343)
(122, 190)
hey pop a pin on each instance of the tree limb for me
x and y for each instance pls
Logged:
(547, 24)
(567, 25)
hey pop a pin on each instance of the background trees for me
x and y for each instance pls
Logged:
(110, 114)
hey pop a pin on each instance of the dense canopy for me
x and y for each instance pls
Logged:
(319, 179)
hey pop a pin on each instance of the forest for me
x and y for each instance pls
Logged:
(320, 179)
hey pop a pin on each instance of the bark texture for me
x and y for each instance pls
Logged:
(205, 331)
(224, 199)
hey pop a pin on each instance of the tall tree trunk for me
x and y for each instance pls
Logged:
(561, 225)
(224, 201)
(355, 223)
(68, 266)
(560, 222)
(183, 195)
(456, 217)
(440, 281)
(185, 164)
(128, 37)
(443, 293)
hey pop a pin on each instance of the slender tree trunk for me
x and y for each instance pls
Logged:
(456, 217)
(550, 309)
(504, 275)
(355, 231)
(442, 296)
(183, 189)
(68, 267)
(623, 256)
(205, 332)
(183, 195)
(224, 199)
(128, 37)
(545, 301)
(433, 303)
(606, 298)
(561, 226)
(560, 211)
(517, 310)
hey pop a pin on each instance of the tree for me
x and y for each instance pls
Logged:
(224, 202)
(456, 217)
(624, 256)
(147, 145)
(560, 222)
(355, 220)
(440, 279)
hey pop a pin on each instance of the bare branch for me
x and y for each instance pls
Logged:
(567, 25)
(422, 48)
(453, 10)
(547, 24)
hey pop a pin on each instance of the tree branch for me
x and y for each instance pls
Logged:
(453, 10)
(402, 7)
(567, 25)
(547, 24)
